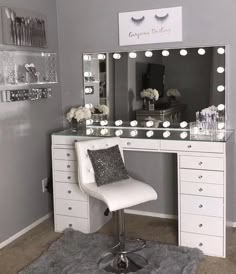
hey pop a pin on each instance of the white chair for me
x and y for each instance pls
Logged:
(117, 196)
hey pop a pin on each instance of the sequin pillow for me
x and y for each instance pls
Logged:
(108, 165)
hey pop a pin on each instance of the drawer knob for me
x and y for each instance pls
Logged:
(201, 244)
(200, 206)
(189, 146)
(200, 176)
(200, 163)
(68, 154)
(128, 143)
(200, 189)
(68, 166)
(69, 191)
(75, 141)
(70, 225)
(69, 177)
(69, 208)
(200, 225)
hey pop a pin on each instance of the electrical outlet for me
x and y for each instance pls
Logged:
(44, 184)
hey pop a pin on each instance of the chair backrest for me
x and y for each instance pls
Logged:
(85, 169)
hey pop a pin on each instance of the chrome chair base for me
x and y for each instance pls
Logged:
(122, 263)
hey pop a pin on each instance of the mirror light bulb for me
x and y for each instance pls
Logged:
(183, 52)
(89, 131)
(149, 123)
(201, 51)
(221, 50)
(166, 134)
(165, 53)
(118, 132)
(183, 135)
(183, 124)
(220, 88)
(148, 53)
(134, 133)
(132, 55)
(87, 57)
(89, 122)
(89, 106)
(221, 125)
(116, 56)
(221, 135)
(134, 123)
(101, 56)
(166, 124)
(104, 123)
(149, 133)
(104, 131)
(118, 122)
(87, 74)
(221, 107)
(220, 69)
(88, 90)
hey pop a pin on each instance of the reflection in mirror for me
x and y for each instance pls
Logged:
(161, 85)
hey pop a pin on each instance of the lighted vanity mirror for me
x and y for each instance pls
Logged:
(187, 80)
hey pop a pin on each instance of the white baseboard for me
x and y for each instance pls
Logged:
(23, 231)
(151, 214)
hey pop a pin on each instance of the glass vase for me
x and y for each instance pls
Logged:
(77, 125)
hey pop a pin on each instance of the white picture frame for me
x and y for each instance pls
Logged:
(150, 26)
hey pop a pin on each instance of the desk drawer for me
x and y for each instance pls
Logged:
(209, 147)
(68, 140)
(65, 177)
(202, 225)
(64, 222)
(129, 143)
(64, 154)
(199, 205)
(210, 245)
(210, 163)
(202, 189)
(71, 208)
(69, 191)
(202, 176)
(63, 165)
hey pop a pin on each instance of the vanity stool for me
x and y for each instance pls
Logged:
(117, 196)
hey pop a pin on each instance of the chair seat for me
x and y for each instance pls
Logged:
(122, 194)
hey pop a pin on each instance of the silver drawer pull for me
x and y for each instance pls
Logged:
(200, 163)
(200, 177)
(128, 143)
(69, 191)
(200, 206)
(69, 177)
(200, 189)
(68, 154)
(200, 225)
(68, 166)
(70, 225)
(189, 146)
(201, 244)
(69, 208)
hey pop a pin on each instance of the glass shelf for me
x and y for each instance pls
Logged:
(19, 68)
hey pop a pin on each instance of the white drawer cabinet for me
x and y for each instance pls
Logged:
(201, 176)
(72, 208)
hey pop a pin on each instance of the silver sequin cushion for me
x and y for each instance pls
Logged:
(108, 165)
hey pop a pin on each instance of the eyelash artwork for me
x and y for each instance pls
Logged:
(137, 21)
(161, 19)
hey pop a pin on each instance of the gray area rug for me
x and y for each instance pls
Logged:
(77, 253)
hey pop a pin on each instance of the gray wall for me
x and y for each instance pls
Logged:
(89, 26)
(25, 129)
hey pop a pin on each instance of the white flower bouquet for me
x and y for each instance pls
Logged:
(100, 109)
(150, 94)
(173, 92)
(80, 113)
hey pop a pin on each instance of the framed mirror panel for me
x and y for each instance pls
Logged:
(173, 85)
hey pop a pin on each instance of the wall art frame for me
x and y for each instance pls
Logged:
(150, 26)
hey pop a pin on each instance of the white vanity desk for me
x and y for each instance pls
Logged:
(205, 187)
